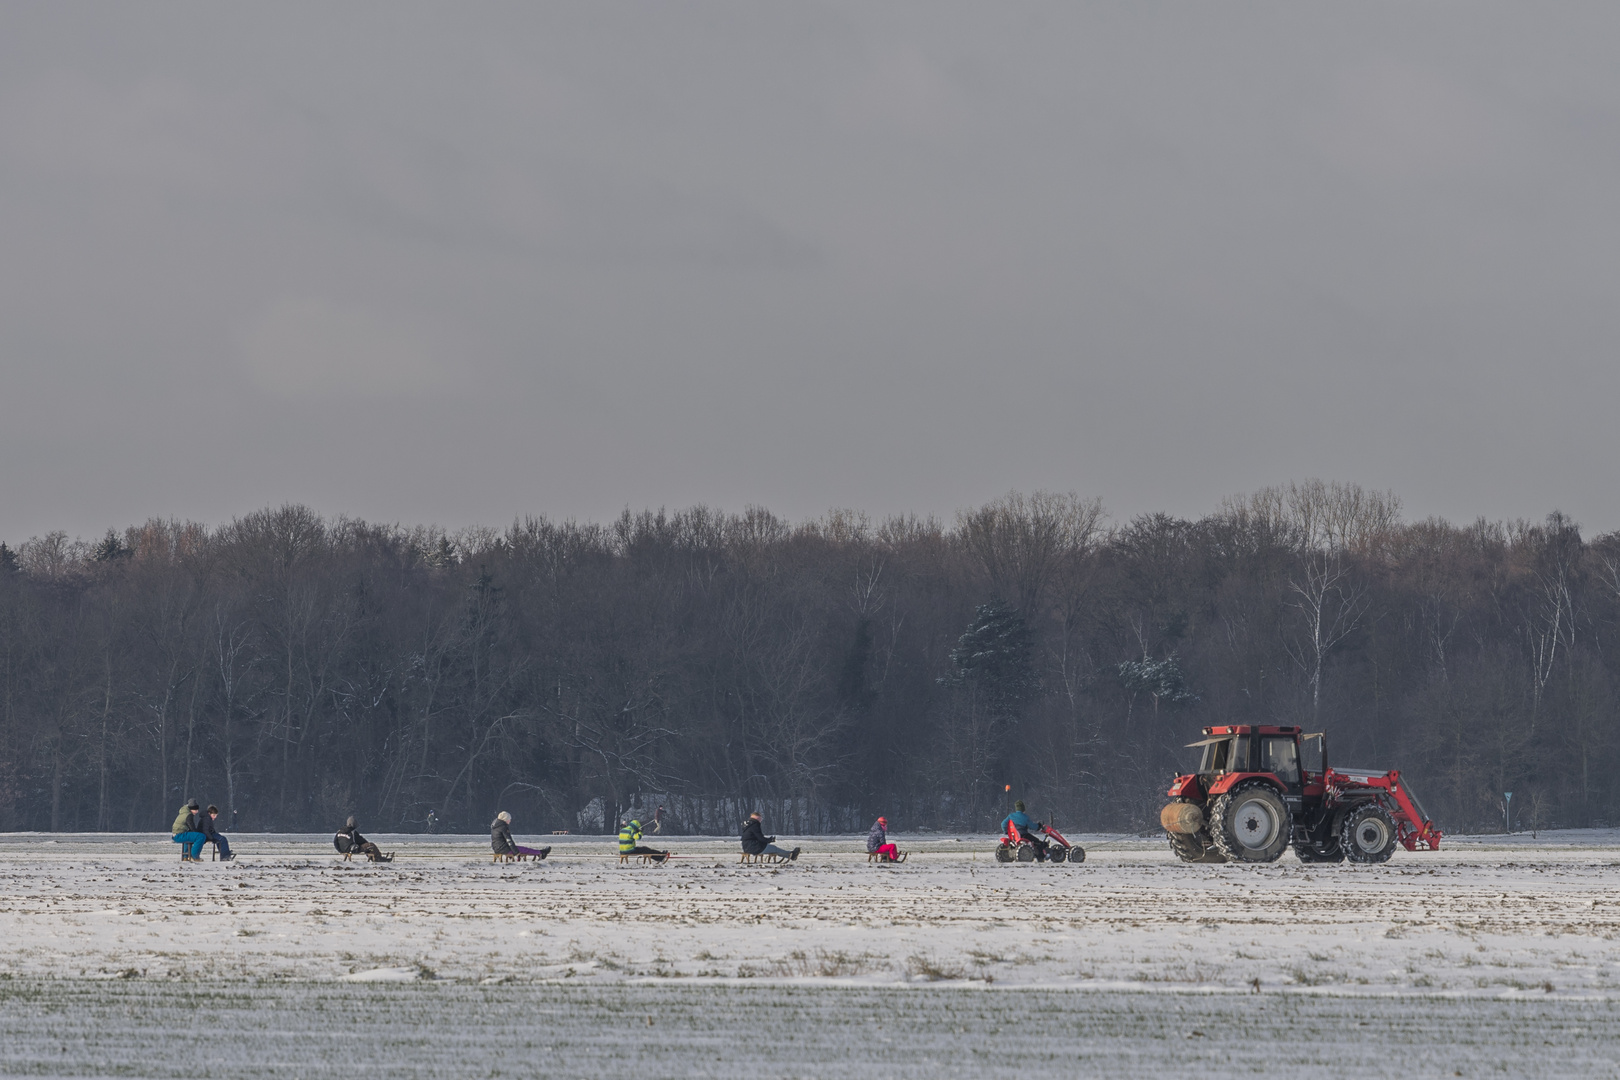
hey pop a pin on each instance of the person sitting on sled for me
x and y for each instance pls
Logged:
(500, 839)
(186, 832)
(1028, 830)
(755, 842)
(877, 841)
(210, 831)
(630, 843)
(348, 839)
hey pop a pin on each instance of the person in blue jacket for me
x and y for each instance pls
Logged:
(1027, 829)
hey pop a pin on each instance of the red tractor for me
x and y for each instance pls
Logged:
(1259, 789)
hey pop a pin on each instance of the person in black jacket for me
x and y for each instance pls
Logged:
(755, 842)
(205, 825)
(348, 839)
(500, 839)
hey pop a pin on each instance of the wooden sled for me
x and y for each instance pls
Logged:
(873, 856)
(213, 853)
(762, 857)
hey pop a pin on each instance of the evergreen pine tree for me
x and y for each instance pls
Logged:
(996, 657)
(111, 549)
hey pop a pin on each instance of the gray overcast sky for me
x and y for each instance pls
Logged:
(455, 263)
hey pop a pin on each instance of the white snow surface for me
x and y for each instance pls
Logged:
(1486, 917)
(383, 974)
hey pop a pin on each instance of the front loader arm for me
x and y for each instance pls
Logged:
(1413, 828)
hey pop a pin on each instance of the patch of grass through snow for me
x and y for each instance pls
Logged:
(925, 967)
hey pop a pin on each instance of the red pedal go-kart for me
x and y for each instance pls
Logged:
(1020, 845)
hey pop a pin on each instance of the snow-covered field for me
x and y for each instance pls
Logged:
(1497, 955)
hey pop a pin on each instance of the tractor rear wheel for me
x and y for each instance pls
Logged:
(1250, 823)
(1368, 835)
(1004, 853)
(1194, 847)
(1026, 852)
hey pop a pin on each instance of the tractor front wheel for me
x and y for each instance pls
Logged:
(1077, 854)
(1250, 823)
(1368, 835)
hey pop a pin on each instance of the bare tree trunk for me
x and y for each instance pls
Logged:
(286, 731)
(163, 759)
(101, 763)
(1332, 605)
(191, 733)
(56, 786)
(1551, 624)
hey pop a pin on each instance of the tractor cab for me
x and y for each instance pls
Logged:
(1283, 756)
(1232, 752)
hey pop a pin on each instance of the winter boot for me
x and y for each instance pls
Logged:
(543, 853)
(795, 856)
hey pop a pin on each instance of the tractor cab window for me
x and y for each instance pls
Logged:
(1228, 755)
(1312, 753)
(1281, 757)
(1242, 755)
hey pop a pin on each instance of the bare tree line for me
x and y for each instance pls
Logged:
(295, 670)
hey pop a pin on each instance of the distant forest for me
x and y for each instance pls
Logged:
(295, 670)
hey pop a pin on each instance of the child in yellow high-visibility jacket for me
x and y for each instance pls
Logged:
(630, 843)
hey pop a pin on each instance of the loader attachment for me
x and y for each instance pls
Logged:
(1414, 829)
(1417, 830)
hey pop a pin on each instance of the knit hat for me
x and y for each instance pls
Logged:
(192, 805)
(1019, 806)
(504, 816)
(883, 821)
